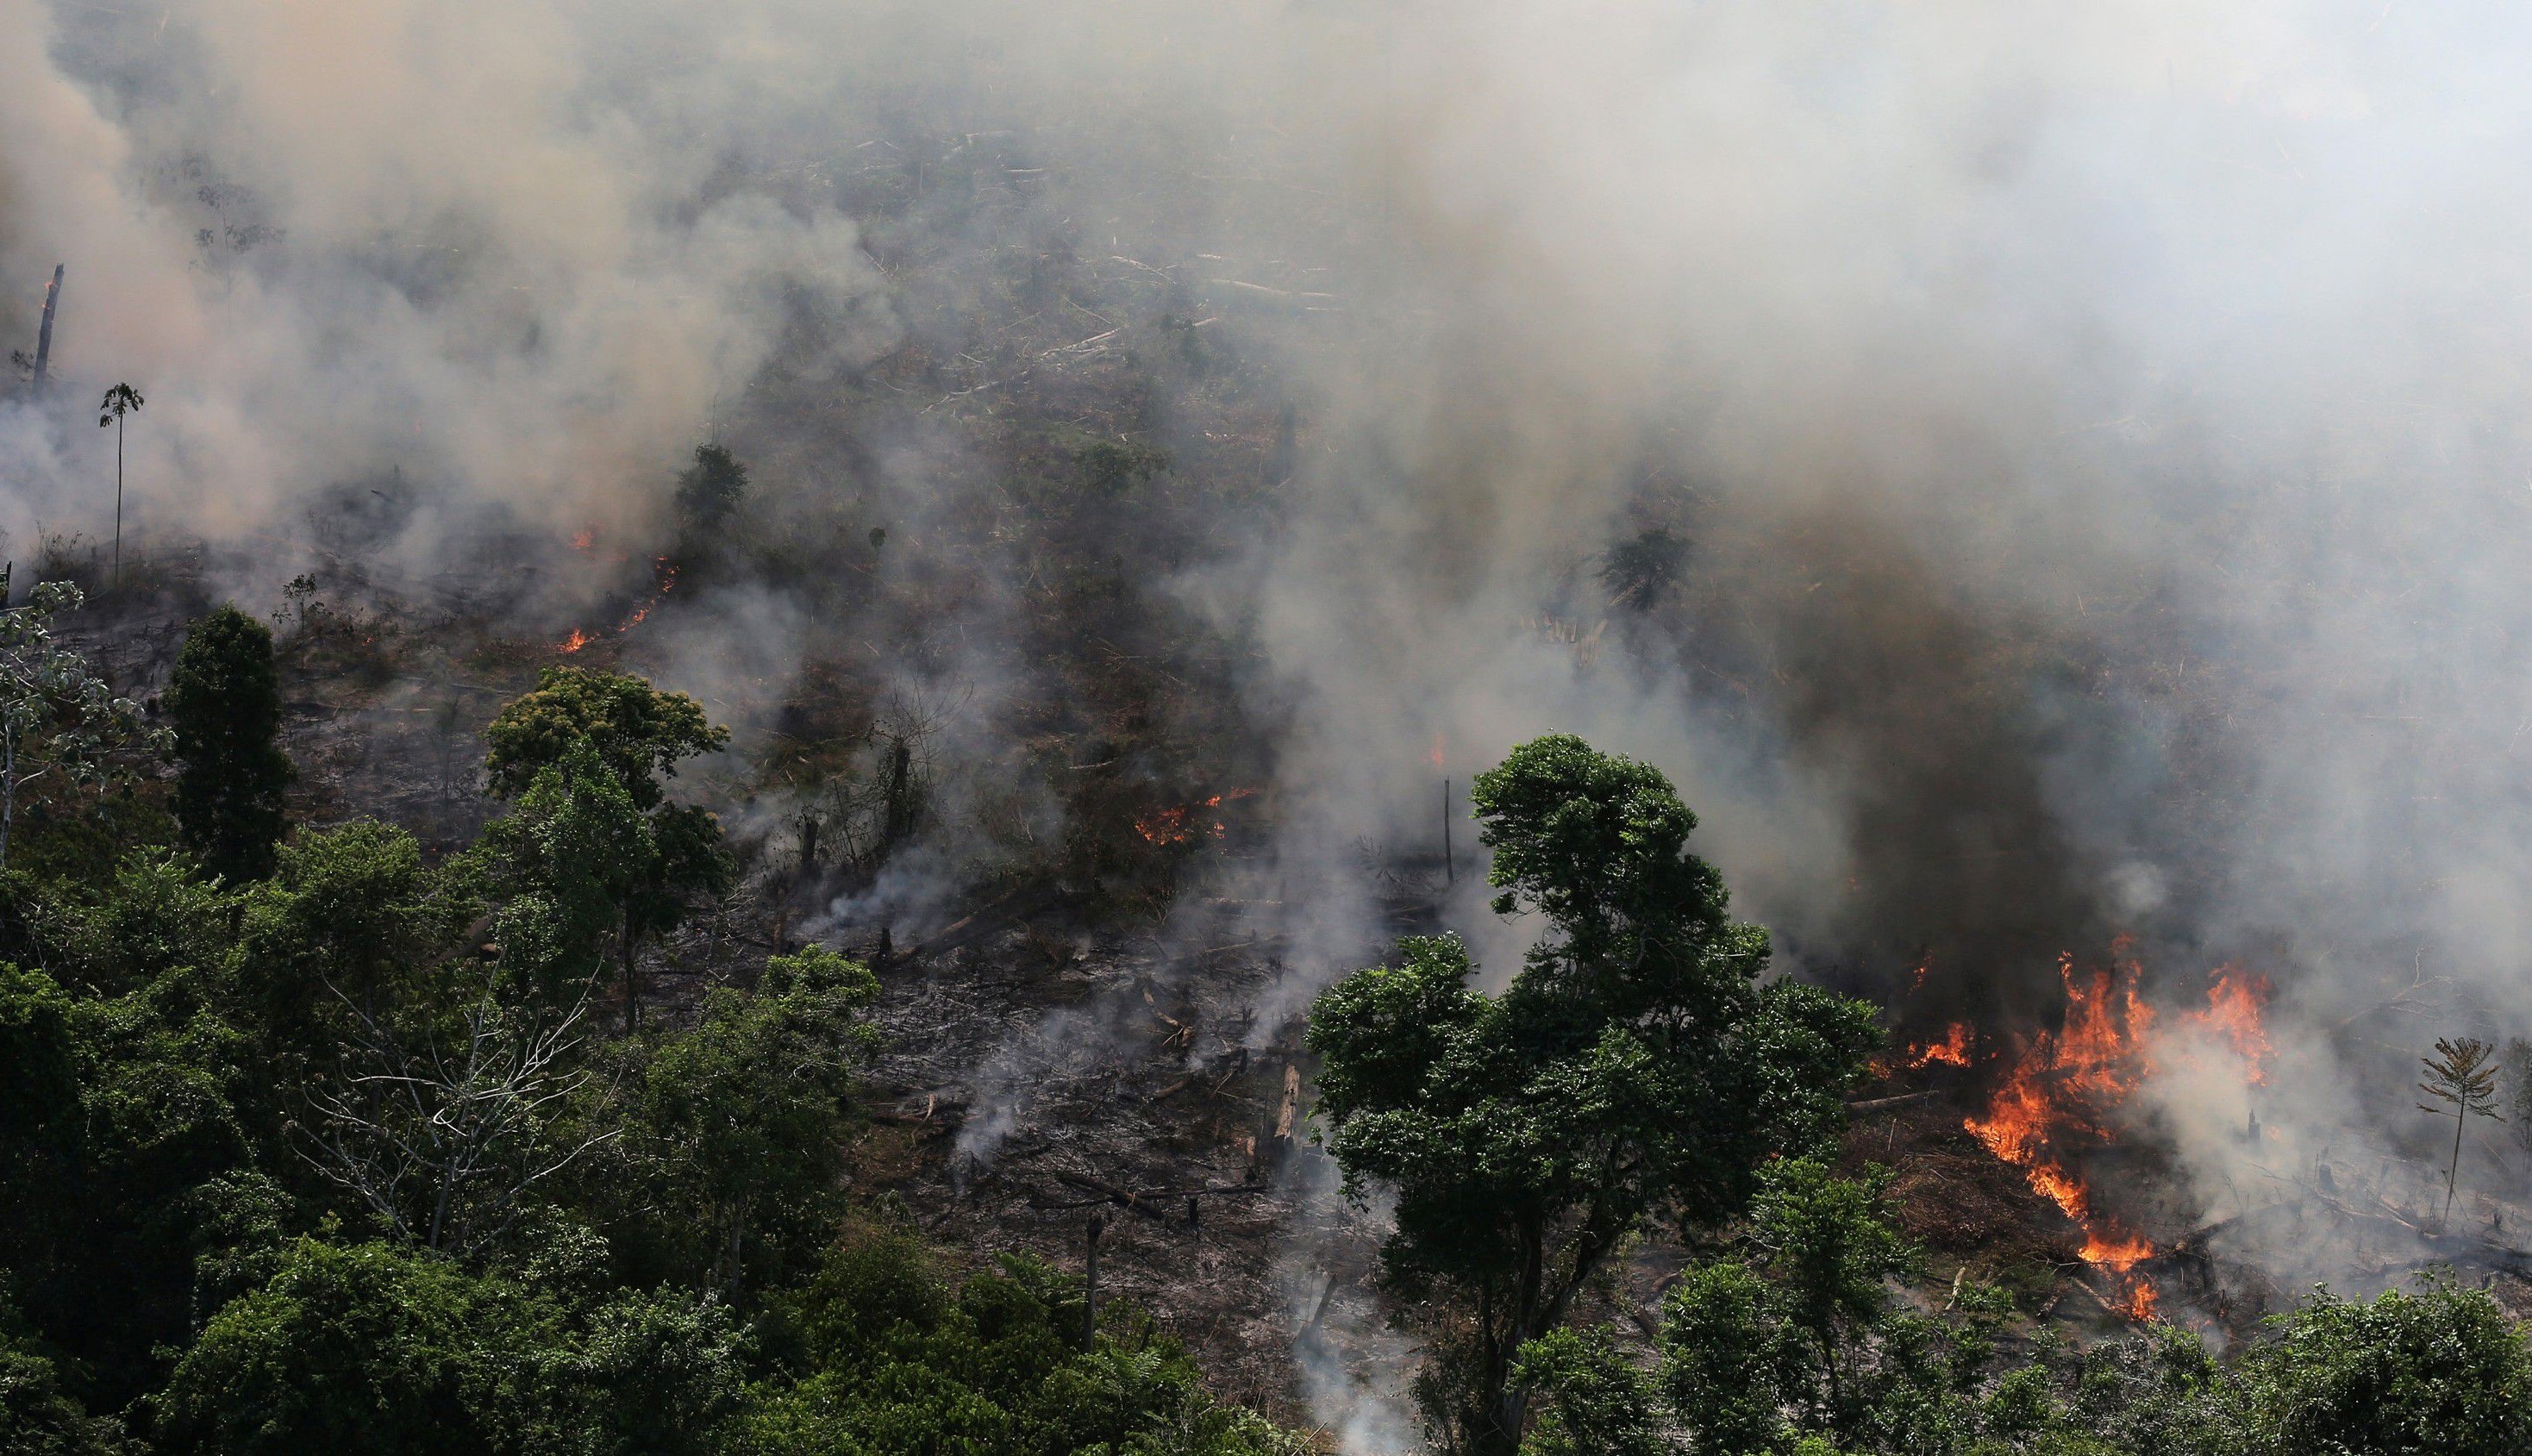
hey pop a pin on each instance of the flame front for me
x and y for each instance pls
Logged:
(2057, 1097)
(663, 580)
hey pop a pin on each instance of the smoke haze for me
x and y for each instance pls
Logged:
(2090, 443)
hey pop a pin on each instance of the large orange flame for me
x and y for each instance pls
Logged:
(2059, 1095)
(2056, 1101)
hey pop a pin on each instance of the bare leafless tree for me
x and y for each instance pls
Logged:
(444, 1136)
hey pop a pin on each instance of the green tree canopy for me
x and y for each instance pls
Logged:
(638, 733)
(350, 922)
(1636, 1071)
(376, 1349)
(585, 754)
(898, 1358)
(224, 700)
(119, 1111)
(38, 1416)
(736, 1129)
(2442, 1369)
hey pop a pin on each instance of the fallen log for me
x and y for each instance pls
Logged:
(1876, 1104)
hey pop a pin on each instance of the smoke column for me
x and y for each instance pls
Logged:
(2090, 442)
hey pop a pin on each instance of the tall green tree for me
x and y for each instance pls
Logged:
(1635, 1073)
(580, 719)
(225, 703)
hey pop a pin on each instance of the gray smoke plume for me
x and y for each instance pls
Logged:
(2030, 477)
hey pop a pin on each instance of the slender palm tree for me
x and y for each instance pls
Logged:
(2463, 1074)
(121, 400)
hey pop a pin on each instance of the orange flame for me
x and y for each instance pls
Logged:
(1435, 756)
(583, 538)
(665, 575)
(2234, 1006)
(1952, 1051)
(1171, 826)
(2058, 1094)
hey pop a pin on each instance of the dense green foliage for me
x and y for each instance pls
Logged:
(584, 755)
(333, 1160)
(1636, 1072)
(1792, 1342)
(224, 701)
(906, 1362)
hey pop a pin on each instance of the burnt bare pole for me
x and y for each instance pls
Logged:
(1450, 876)
(44, 334)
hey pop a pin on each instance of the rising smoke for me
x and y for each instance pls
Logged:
(2089, 441)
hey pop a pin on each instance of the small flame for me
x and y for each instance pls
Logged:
(1435, 757)
(583, 538)
(1952, 1051)
(666, 576)
(1172, 826)
(2135, 1297)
